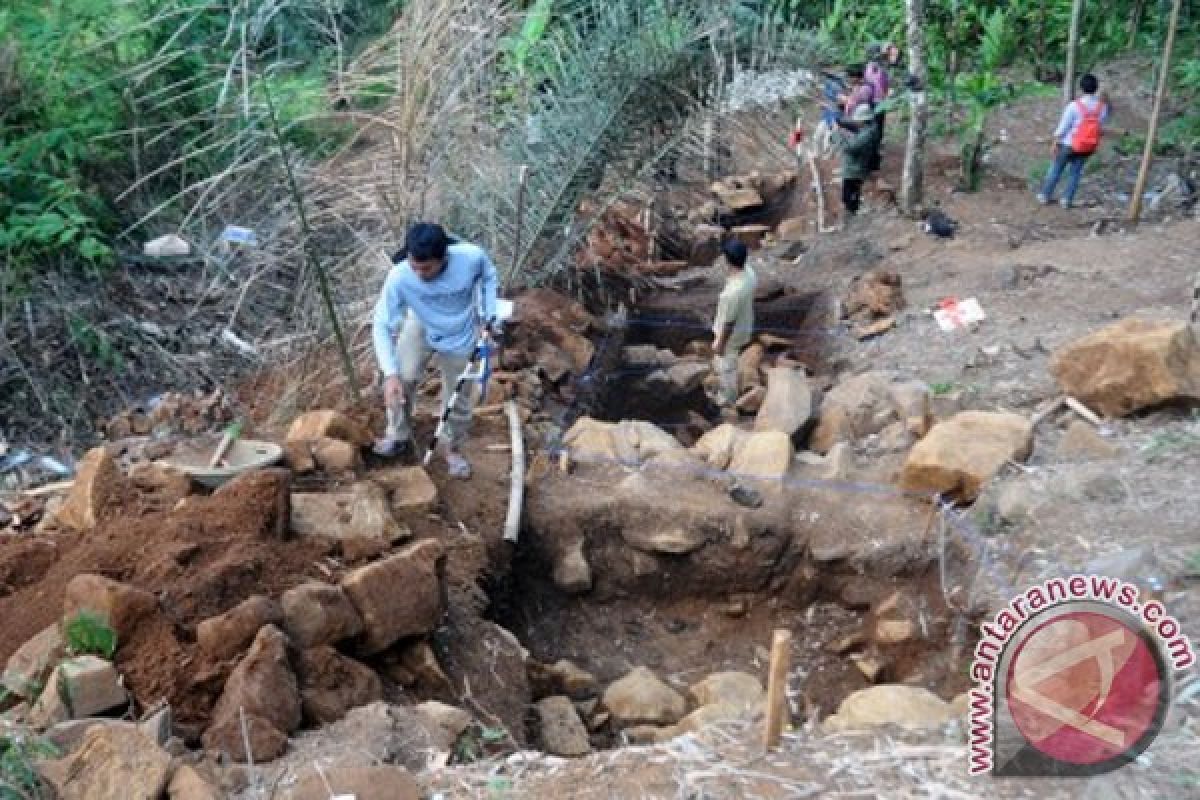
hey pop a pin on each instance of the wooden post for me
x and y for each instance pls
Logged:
(1072, 47)
(781, 661)
(1139, 188)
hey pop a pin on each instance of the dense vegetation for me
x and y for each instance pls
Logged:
(110, 109)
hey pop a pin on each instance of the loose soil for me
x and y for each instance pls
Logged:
(1043, 279)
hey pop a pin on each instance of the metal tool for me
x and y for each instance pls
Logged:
(479, 368)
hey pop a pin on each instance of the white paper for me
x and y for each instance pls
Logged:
(960, 315)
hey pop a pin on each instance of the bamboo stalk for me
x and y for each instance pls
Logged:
(516, 492)
(322, 278)
(1135, 205)
(781, 656)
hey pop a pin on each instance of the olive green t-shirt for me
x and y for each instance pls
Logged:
(736, 305)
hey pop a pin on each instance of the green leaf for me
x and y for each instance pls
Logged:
(88, 633)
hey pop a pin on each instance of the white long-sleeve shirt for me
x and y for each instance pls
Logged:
(452, 306)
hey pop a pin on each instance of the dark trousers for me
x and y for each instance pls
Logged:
(877, 156)
(852, 194)
(1071, 163)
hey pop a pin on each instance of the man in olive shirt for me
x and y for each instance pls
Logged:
(734, 323)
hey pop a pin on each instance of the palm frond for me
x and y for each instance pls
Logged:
(617, 83)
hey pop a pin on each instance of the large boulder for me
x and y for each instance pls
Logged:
(788, 404)
(116, 763)
(676, 540)
(264, 687)
(360, 519)
(410, 489)
(188, 784)
(98, 490)
(1130, 366)
(82, 686)
(316, 614)
(856, 407)
(911, 707)
(28, 668)
(229, 634)
(361, 783)
(399, 596)
(315, 425)
(331, 684)
(733, 689)
(640, 698)
(765, 455)
(120, 605)
(750, 365)
(572, 573)
(445, 723)
(629, 442)
(962, 454)
(562, 732)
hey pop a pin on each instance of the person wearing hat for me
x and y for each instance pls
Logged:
(857, 148)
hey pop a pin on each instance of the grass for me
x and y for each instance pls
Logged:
(87, 633)
(1166, 443)
(19, 779)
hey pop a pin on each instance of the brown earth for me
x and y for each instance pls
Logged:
(1043, 280)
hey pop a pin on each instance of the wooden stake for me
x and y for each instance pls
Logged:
(1139, 188)
(1083, 411)
(1041, 415)
(781, 660)
(818, 191)
(516, 491)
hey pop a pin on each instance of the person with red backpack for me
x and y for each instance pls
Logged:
(1076, 139)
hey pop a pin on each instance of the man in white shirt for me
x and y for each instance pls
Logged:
(734, 323)
(443, 293)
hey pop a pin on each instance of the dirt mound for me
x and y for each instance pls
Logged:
(199, 560)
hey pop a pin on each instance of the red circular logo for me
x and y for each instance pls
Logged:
(1084, 687)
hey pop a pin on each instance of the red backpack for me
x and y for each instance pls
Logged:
(1086, 138)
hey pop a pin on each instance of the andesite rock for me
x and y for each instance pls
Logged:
(1129, 366)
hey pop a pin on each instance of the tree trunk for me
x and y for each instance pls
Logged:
(1135, 205)
(1072, 47)
(1039, 52)
(912, 184)
(1135, 22)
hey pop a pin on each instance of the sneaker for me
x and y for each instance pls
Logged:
(1043, 199)
(457, 466)
(1065, 203)
(392, 447)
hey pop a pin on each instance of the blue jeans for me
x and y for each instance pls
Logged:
(1073, 163)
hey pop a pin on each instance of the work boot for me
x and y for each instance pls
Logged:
(392, 447)
(457, 466)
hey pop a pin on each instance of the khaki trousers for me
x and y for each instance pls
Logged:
(414, 353)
